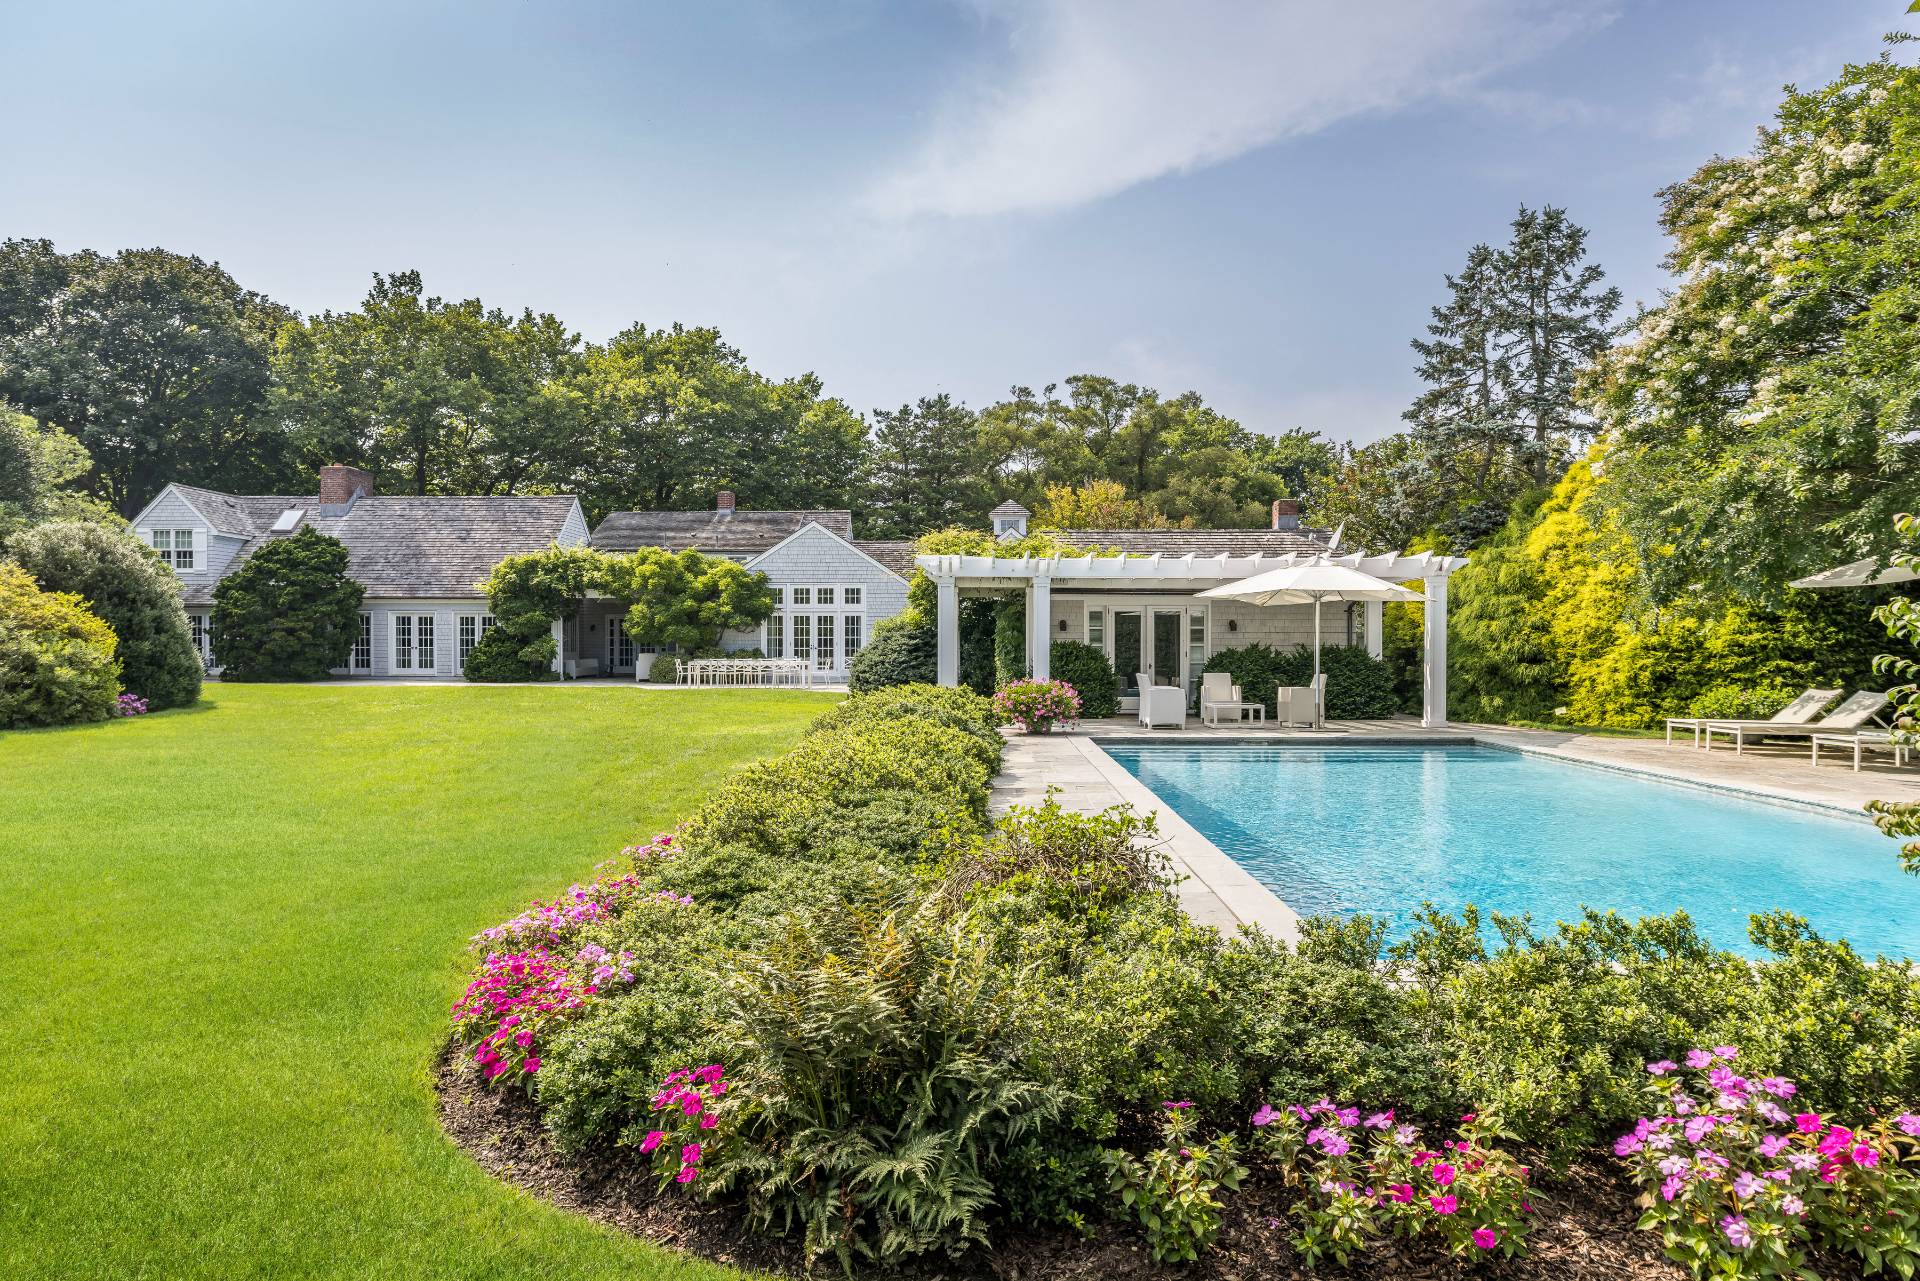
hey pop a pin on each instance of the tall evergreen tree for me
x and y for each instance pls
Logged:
(924, 469)
(1555, 320)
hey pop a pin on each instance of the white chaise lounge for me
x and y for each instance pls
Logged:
(1800, 711)
(1848, 718)
(1859, 741)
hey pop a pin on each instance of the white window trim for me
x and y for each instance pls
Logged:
(837, 614)
(413, 618)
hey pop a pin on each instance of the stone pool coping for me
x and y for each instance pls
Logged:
(1217, 891)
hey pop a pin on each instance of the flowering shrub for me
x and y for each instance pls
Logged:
(688, 1108)
(1739, 1184)
(518, 996)
(552, 923)
(1366, 1177)
(1036, 706)
(1174, 1191)
(130, 705)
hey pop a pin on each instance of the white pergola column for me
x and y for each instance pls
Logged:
(946, 629)
(560, 646)
(1433, 711)
(1375, 613)
(1040, 626)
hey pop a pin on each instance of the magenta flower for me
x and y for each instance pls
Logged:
(1838, 1139)
(687, 1175)
(1266, 1115)
(1699, 1059)
(1444, 1204)
(1442, 1173)
(1626, 1145)
(532, 1064)
(690, 1154)
(1401, 1192)
(1774, 1144)
(1176, 1107)
(1779, 1086)
(708, 1121)
(1908, 1124)
(652, 1140)
(1671, 1188)
(1739, 1235)
(1486, 1238)
(1663, 1067)
(1726, 1051)
(1865, 1157)
(1333, 1145)
(1808, 1122)
(1380, 1120)
(1347, 1116)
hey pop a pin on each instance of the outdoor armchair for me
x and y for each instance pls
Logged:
(1161, 705)
(1799, 712)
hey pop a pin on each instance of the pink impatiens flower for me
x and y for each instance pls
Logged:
(1486, 1238)
(1739, 1235)
(652, 1140)
(1774, 1144)
(1266, 1115)
(1380, 1120)
(1865, 1157)
(1726, 1052)
(1746, 1184)
(1808, 1122)
(1401, 1192)
(1699, 1059)
(1444, 1204)
(1779, 1086)
(1908, 1124)
(1442, 1173)
(1663, 1067)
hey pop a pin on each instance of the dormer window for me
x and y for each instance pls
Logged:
(175, 547)
(1009, 521)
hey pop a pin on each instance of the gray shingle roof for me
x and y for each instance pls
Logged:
(402, 547)
(738, 532)
(1200, 542)
(1010, 508)
(896, 556)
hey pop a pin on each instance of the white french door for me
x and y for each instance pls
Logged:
(1166, 644)
(413, 643)
(619, 645)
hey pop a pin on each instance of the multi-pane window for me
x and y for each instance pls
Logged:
(802, 633)
(1196, 641)
(776, 635)
(362, 660)
(197, 624)
(855, 627)
(413, 642)
(472, 628)
(850, 596)
(1097, 628)
(175, 547)
(803, 595)
(823, 640)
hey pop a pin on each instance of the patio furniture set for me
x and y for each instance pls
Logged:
(1856, 724)
(1165, 706)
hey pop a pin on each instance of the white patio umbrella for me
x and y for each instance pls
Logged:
(1316, 580)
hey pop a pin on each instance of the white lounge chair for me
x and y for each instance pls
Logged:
(1161, 705)
(1863, 739)
(1219, 694)
(1300, 704)
(1848, 718)
(1799, 712)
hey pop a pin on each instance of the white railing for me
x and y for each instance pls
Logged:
(746, 671)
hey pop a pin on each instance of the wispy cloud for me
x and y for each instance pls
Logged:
(1095, 96)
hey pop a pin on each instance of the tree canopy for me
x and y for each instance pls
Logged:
(289, 613)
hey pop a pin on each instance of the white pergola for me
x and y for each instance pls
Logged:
(1039, 577)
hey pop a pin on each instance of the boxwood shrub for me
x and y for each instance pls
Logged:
(1359, 686)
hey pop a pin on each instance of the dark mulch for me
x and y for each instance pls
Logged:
(1584, 1230)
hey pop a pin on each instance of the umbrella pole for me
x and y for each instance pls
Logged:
(1319, 709)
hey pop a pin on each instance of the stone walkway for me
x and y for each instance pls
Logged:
(1219, 892)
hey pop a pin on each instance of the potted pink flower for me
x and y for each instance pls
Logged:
(1037, 706)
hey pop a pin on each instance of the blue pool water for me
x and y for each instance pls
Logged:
(1381, 829)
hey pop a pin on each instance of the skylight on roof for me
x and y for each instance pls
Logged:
(288, 520)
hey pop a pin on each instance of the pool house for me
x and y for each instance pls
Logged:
(1138, 601)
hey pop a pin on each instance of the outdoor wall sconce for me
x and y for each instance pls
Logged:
(1232, 625)
(1063, 624)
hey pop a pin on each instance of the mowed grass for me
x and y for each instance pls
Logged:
(231, 936)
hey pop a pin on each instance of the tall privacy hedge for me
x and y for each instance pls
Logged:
(1359, 686)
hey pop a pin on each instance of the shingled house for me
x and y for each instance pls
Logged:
(421, 560)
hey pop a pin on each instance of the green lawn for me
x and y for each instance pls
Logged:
(231, 936)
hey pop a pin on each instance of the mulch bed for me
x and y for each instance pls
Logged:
(1583, 1231)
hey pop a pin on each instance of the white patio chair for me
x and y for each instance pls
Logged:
(1161, 705)
(1799, 712)
(1219, 694)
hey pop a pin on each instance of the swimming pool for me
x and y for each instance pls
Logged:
(1381, 829)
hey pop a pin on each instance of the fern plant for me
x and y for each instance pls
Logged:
(874, 1091)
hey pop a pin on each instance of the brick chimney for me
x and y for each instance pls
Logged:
(340, 485)
(723, 502)
(1286, 513)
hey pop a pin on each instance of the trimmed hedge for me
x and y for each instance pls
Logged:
(290, 613)
(901, 651)
(1359, 686)
(1088, 671)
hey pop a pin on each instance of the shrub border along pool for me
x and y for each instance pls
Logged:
(929, 1028)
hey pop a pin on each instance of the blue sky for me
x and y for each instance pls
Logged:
(1252, 200)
